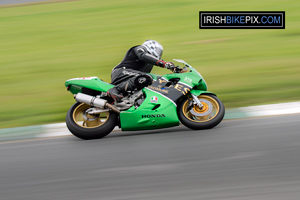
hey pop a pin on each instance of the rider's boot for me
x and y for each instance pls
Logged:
(115, 94)
(120, 90)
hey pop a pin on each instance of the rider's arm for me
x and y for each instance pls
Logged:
(142, 54)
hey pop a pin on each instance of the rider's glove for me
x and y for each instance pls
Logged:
(161, 63)
(170, 66)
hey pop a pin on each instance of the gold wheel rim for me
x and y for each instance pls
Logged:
(92, 121)
(210, 106)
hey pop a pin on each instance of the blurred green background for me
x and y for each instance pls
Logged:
(43, 45)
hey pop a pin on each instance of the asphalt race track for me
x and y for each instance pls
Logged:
(245, 159)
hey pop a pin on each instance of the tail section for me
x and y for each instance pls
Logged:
(87, 85)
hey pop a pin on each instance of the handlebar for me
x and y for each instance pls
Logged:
(178, 69)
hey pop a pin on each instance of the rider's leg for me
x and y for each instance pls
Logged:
(130, 80)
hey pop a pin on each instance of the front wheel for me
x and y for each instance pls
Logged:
(88, 127)
(209, 116)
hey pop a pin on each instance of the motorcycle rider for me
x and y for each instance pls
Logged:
(131, 72)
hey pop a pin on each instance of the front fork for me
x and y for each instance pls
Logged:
(197, 101)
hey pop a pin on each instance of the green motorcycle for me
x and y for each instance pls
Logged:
(181, 96)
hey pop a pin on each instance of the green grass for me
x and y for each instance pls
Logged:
(43, 45)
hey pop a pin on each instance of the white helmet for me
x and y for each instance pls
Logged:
(154, 48)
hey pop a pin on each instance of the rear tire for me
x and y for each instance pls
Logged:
(209, 116)
(89, 127)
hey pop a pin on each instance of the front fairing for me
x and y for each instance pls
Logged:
(175, 85)
(198, 81)
(192, 78)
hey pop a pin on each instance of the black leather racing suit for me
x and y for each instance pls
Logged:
(136, 63)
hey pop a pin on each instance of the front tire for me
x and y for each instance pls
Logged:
(209, 116)
(89, 127)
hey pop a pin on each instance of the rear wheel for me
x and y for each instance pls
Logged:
(86, 126)
(209, 116)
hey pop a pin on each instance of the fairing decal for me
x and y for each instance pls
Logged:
(162, 95)
(173, 91)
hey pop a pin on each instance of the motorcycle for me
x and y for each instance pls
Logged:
(181, 96)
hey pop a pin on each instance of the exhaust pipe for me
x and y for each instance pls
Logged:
(94, 101)
(90, 100)
(113, 108)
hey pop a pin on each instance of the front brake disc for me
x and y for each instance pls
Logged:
(207, 112)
